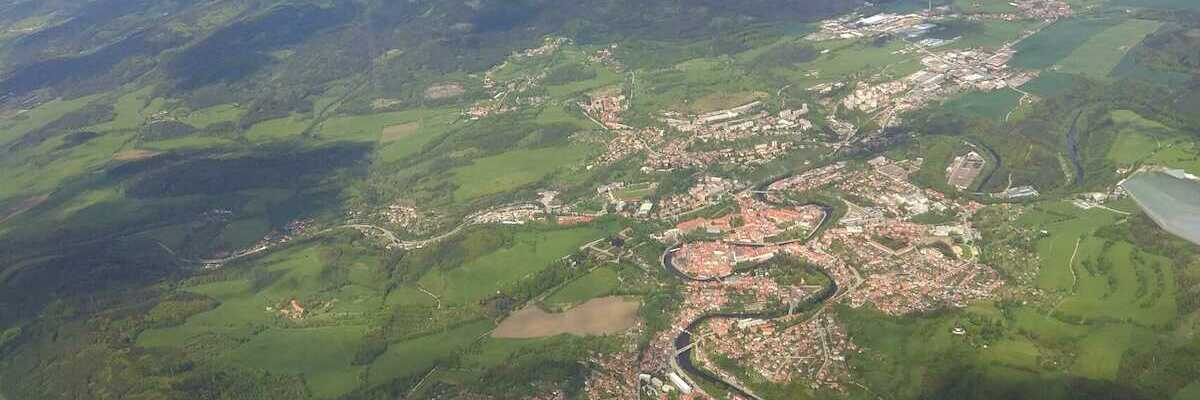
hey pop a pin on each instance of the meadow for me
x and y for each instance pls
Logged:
(514, 169)
(344, 288)
(598, 283)
(995, 105)
(529, 253)
(1137, 138)
(1099, 55)
(1057, 41)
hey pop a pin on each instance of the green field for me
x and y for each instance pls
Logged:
(1137, 138)
(984, 6)
(1183, 154)
(1101, 351)
(1140, 140)
(992, 34)
(1050, 84)
(529, 253)
(207, 116)
(1124, 285)
(597, 283)
(1168, 4)
(418, 355)
(277, 129)
(512, 170)
(1097, 56)
(604, 77)
(322, 347)
(1056, 42)
(1099, 279)
(321, 355)
(13, 128)
(131, 111)
(370, 127)
(995, 104)
(850, 57)
(1065, 229)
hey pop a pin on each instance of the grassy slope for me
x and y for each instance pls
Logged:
(509, 171)
(530, 253)
(595, 284)
(1054, 43)
(1097, 56)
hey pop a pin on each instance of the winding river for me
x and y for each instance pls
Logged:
(683, 342)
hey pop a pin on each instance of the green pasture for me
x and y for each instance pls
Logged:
(190, 142)
(604, 77)
(1137, 138)
(846, 57)
(567, 113)
(1050, 84)
(13, 128)
(20, 177)
(242, 332)
(243, 233)
(299, 273)
(995, 104)
(703, 80)
(509, 171)
(1183, 154)
(598, 283)
(993, 34)
(1101, 351)
(1016, 352)
(1065, 226)
(415, 356)
(210, 115)
(1057, 41)
(1107, 281)
(370, 127)
(984, 6)
(1159, 4)
(131, 111)
(322, 356)
(288, 127)
(1097, 56)
(1047, 329)
(1139, 288)
(529, 253)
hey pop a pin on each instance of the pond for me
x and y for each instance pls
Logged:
(1172, 201)
(602, 316)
